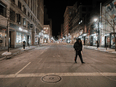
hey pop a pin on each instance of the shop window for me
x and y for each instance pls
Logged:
(12, 15)
(19, 4)
(2, 9)
(18, 38)
(23, 37)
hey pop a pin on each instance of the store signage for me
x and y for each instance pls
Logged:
(23, 30)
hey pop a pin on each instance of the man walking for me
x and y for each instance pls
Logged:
(78, 48)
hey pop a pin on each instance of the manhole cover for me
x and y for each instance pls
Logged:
(51, 78)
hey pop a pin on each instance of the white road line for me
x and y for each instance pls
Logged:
(22, 69)
(44, 51)
(60, 74)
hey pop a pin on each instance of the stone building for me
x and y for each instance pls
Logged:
(20, 21)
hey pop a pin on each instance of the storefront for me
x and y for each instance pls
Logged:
(87, 42)
(20, 37)
(3, 39)
(102, 41)
(84, 38)
(46, 38)
(107, 40)
(112, 40)
(93, 39)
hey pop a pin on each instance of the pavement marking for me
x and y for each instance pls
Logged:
(44, 50)
(22, 69)
(59, 74)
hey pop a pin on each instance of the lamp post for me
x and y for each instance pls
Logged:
(8, 34)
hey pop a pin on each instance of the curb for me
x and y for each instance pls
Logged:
(106, 51)
(14, 54)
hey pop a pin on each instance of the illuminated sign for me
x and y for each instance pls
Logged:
(23, 30)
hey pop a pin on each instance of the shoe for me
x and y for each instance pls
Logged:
(75, 61)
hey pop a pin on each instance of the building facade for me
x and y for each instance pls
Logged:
(67, 19)
(108, 23)
(47, 34)
(62, 30)
(77, 21)
(19, 22)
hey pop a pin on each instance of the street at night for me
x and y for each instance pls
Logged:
(53, 66)
(57, 43)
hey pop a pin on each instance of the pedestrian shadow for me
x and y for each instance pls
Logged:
(74, 68)
(56, 62)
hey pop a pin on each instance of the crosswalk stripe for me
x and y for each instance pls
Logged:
(60, 74)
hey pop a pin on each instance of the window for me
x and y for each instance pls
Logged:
(28, 25)
(31, 4)
(19, 4)
(24, 22)
(24, 9)
(12, 15)
(83, 8)
(83, 15)
(25, 1)
(28, 2)
(28, 14)
(2, 9)
(31, 18)
(90, 9)
(13, 1)
(18, 18)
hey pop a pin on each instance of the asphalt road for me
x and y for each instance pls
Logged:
(53, 66)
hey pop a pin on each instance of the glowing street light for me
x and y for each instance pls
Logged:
(95, 20)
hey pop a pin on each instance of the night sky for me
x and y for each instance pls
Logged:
(55, 11)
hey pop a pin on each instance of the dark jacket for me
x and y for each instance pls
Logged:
(78, 45)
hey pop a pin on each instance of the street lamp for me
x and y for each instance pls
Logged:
(95, 20)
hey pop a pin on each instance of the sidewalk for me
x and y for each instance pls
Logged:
(16, 51)
(102, 49)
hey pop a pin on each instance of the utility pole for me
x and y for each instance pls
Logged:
(8, 28)
(99, 25)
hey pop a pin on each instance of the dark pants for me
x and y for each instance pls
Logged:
(23, 46)
(80, 55)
